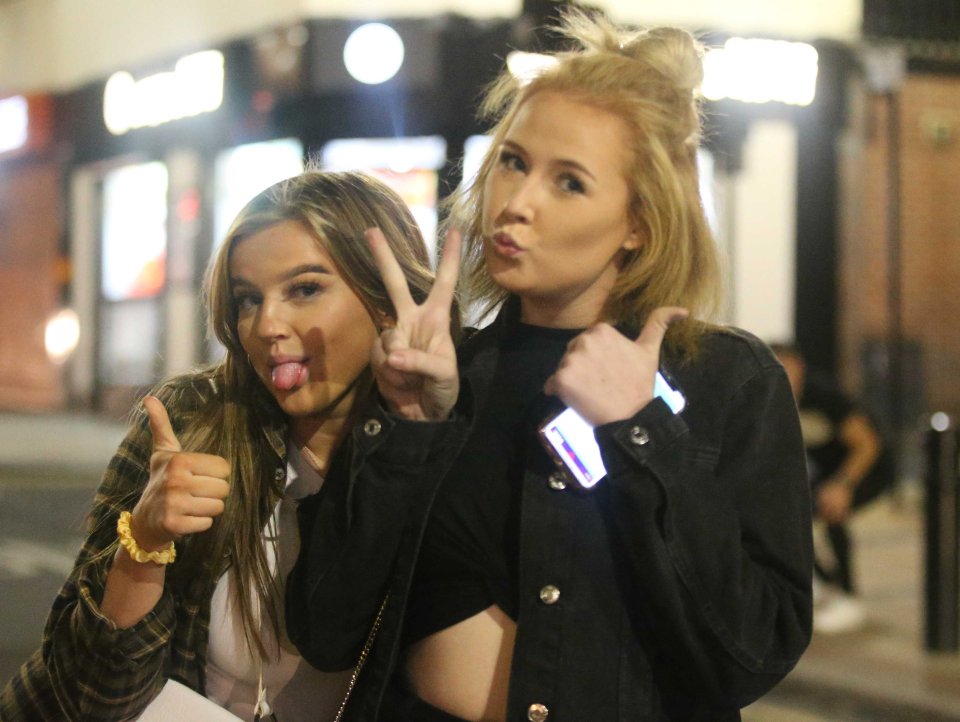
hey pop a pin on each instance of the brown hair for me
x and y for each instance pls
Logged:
(649, 79)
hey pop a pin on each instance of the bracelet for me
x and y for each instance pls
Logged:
(165, 556)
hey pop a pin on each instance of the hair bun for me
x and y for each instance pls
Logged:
(672, 52)
(663, 65)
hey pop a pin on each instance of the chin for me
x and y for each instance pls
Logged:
(507, 279)
(307, 401)
(293, 400)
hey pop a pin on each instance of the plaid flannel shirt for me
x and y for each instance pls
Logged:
(87, 668)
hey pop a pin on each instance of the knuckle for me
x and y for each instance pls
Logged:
(174, 480)
(178, 463)
(170, 523)
(159, 458)
(177, 527)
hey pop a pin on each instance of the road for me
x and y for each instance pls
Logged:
(42, 520)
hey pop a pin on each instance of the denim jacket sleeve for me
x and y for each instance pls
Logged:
(373, 502)
(711, 511)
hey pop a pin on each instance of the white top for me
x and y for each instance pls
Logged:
(294, 690)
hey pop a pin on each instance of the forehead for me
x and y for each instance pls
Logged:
(281, 246)
(558, 124)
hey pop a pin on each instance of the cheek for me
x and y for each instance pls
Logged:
(486, 217)
(356, 330)
(244, 334)
(491, 202)
(368, 338)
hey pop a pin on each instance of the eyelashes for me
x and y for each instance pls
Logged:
(296, 291)
(566, 181)
(511, 161)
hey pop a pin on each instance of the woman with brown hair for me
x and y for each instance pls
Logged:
(194, 526)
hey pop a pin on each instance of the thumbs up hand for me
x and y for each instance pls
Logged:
(605, 376)
(185, 492)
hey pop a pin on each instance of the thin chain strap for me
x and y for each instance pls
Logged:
(363, 659)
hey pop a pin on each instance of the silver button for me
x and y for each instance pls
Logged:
(537, 712)
(639, 436)
(556, 481)
(371, 427)
(280, 473)
(549, 594)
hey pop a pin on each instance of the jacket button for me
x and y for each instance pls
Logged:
(537, 712)
(556, 481)
(639, 436)
(371, 427)
(280, 474)
(549, 594)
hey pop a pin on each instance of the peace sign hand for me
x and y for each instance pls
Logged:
(414, 361)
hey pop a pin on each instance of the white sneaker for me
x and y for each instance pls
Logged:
(839, 613)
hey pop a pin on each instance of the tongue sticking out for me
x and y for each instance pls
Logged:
(286, 376)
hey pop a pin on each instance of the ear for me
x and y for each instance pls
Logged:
(382, 320)
(632, 242)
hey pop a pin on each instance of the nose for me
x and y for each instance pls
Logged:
(270, 324)
(520, 202)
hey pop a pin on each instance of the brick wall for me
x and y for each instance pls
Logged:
(30, 227)
(930, 237)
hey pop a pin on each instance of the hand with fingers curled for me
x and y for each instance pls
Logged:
(414, 360)
(185, 491)
(607, 377)
(835, 501)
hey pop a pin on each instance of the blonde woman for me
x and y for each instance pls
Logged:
(188, 586)
(678, 587)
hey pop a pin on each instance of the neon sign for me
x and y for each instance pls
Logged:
(195, 86)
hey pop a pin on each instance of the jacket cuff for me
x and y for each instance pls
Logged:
(640, 439)
(122, 646)
(396, 440)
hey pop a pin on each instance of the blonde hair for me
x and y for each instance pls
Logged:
(336, 208)
(649, 79)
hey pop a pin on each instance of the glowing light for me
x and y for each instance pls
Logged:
(527, 66)
(373, 53)
(939, 421)
(761, 71)
(474, 150)
(14, 123)
(195, 86)
(62, 334)
(398, 155)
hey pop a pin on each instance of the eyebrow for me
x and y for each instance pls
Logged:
(562, 162)
(287, 275)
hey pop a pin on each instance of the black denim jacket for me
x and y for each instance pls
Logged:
(684, 578)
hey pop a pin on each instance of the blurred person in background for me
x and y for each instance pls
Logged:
(188, 584)
(676, 588)
(849, 465)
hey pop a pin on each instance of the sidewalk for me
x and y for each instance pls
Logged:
(880, 672)
(60, 444)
